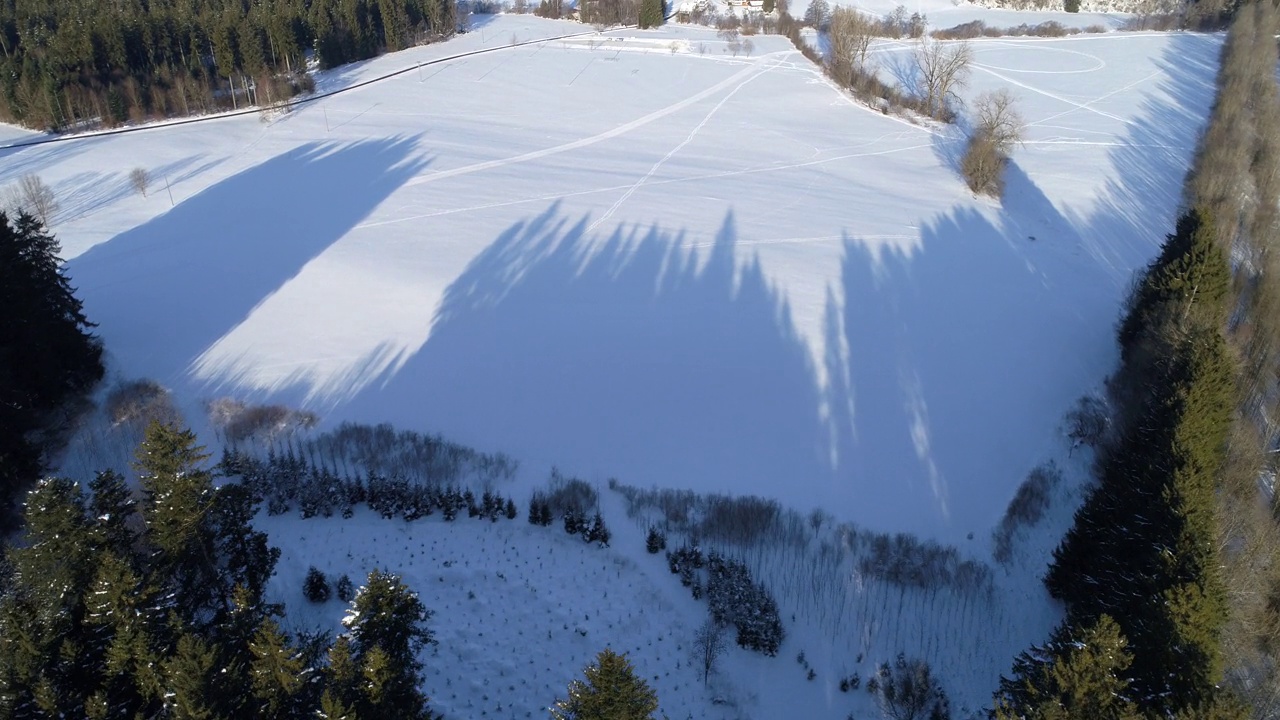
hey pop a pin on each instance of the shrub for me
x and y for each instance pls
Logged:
(1088, 421)
(997, 129)
(983, 165)
(139, 178)
(316, 586)
(141, 401)
(963, 31)
(1071, 6)
(908, 691)
(1026, 508)
(1051, 28)
(240, 421)
(570, 494)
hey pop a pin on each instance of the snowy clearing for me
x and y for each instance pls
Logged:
(644, 258)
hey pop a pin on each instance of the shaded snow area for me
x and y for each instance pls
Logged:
(635, 255)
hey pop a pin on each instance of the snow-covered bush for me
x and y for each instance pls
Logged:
(735, 599)
(345, 589)
(316, 587)
(656, 541)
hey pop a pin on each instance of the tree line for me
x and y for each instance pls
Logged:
(1169, 573)
(71, 62)
(1139, 571)
(124, 605)
(116, 607)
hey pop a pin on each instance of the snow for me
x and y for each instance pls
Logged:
(678, 269)
(645, 258)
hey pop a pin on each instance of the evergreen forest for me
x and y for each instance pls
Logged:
(68, 63)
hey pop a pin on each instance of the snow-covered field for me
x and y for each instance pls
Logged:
(640, 257)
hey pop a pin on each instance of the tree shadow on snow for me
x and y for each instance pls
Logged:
(956, 349)
(165, 291)
(676, 363)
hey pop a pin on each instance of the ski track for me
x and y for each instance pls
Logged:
(672, 153)
(615, 188)
(588, 141)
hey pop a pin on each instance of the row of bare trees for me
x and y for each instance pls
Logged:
(1236, 177)
(939, 71)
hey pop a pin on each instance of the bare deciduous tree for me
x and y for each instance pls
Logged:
(997, 128)
(848, 37)
(909, 691)
(32, 195)
(139, 178)
(943, 69)
(708, 645)
(732, 39)
(997, 116)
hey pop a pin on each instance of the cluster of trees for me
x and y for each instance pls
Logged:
(734, 599)
(352, 449)
(1140, 567)
(288, 482)
(643, 13)
(73, 61)
(49, 359)
(122, 608)
(941, 68)
(570, 500)
(316, 587)
(908, 690)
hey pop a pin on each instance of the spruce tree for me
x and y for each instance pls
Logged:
(193, 682)
(178, 500)
(655, 542)
(1078, 674)
(277, 674)
(387, 628)
(113, 514)
(125, 630)
(610, 690)
(1191, 277)
(316, 586)
(341, 681)
(344, 589)
(652, 13)
(43, 660)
